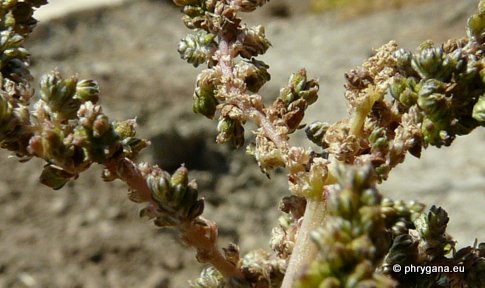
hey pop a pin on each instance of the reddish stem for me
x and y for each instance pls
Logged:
(200, 233)
(226, 56)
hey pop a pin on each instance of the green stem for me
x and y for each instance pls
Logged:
(305, 250)
(362, 110)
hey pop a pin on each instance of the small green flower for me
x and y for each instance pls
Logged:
(180, 177)
(404, 90)
(230, 130)
(299, 87)
(177, 198)
(254, 73)
(316, 132)
(403, 62)
(87, 90)
(197, 48)
(476, 25)
(160, 187)
(205, 102)
(433, 63)
(254, 42)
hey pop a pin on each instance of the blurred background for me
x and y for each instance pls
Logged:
(88, 234)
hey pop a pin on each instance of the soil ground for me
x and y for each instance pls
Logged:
(88, 234)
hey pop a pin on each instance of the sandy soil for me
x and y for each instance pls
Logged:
(88, 234)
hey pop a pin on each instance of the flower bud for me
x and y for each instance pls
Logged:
(197, 48)
(132, 146)
(209, 277)
(433, 104)
(378, 138)
(370, 197)
(17, 52)
(432, 63)
(187, 203)
(435, 132)
(432, 100)
(176, 196)
(403, 251)
(160, 188)
(87, 90)
(404, 90)
(125, 129)
(481, 7)
(252, 42)
(299, 87)
(230, 130)
(362, 271)
(101, 126)
(316, 131)
(255, 74)
(403, 61)
(196, 210)
(180, 177)
(433, 223)
(476, 26)
(205, 101)
(58, 94)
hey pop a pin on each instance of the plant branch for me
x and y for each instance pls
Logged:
(305, 250)
(199, 233)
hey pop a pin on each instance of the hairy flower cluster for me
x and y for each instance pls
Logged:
(402, 102)
(16, 22)
(354, 238)
(398, 101)
(66, 127)
(176, 198)
(215, 23)
(365, 236)
(428, 245)
(70, 131)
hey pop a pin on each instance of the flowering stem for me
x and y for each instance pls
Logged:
(362, 110)
(305, 250)
(269, 129)
(127, 172)
(200, 233)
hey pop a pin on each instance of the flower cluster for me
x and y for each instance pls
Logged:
(398, 102)
(177, 199)
(337, 230)
(354, 238)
